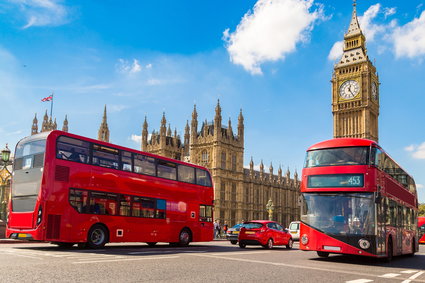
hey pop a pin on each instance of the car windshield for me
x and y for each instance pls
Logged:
(339, 214)
(337, 156)
(294, 226)
(252, 225)
(237, 226)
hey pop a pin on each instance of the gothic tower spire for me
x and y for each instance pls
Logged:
(145, 135)
(34, 128)
(65, 124)
(103, 133)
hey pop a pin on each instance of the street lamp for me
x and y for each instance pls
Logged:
(270, 208)
(4, 181)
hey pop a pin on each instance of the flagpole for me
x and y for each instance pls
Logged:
(51, 105)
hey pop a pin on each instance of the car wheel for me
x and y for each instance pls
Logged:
(269, 244)
(233, 242)
(242, 245)
(289, 245)
(184, 238)
(97, 237)
(322, 254)
(151, 244)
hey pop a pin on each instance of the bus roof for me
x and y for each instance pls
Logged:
(341, 142)
(59, 133)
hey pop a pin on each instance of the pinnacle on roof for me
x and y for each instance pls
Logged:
(354, 28)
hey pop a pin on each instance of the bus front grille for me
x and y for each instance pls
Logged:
(53, 226)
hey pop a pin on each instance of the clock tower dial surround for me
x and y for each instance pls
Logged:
(355, 88)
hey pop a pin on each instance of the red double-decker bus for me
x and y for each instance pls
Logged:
(421, 227)
(357, 200)
(69, 189)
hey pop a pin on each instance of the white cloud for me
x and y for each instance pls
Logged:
(420, 186)
(417, 151)
(368, 27)
(389, 11)
(409, 39)
(116, 108)
(336, 51)
(42, 12)
(124, 66)
(270, 32)
(136, 138)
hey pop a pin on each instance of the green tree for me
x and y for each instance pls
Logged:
(421, 210)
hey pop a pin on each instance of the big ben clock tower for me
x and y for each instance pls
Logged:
(355, 88)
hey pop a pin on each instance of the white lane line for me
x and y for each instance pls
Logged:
(291, 265)
(408, 271)
(359, 281)
(241, 253)
(390, 275)
(28, 256)
(413, 277)
(124, 259)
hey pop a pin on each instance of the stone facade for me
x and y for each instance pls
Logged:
(48, 124)
(240, 193)
(355, 88)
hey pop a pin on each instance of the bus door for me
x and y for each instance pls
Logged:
(399, 230)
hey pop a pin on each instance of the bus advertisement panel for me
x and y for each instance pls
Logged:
(421, 227)
(357, 200)
(68, 189)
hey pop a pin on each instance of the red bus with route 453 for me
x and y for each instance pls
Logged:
(357, 200)
(68, 189)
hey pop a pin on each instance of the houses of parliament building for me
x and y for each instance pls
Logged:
(242, 193)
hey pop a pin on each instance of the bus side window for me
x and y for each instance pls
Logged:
(167, 170)
(202, 178)
(126, 161)
(144, 165)
(186, 174)
(72, 149)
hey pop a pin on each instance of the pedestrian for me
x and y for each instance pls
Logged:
(215, 228)
(225, 227)
(218, 229)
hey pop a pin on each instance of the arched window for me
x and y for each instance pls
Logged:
(205, 157)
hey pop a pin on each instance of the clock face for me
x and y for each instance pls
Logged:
(349, 89)
(374, 91)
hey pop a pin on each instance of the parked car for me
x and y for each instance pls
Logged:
(233, 233)
(294, 230)
(265, 233)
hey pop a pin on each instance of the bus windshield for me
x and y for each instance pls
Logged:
(337, 156)
(30, 154)
(340, 214)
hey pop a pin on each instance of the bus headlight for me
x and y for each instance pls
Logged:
(304, 239)
(364, 244)
(39, 215)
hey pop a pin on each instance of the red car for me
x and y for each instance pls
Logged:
(265, 233)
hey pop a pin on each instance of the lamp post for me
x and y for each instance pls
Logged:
(5, 181)
(270, 208)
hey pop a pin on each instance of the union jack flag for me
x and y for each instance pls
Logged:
(49, 98)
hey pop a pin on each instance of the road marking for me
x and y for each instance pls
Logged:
(292, 265)
(413, 277)
(241, 253)
(124, 259)
(359, 281)
(390, 275)
(408, 271)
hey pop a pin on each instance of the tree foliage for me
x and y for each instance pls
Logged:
(421, 210)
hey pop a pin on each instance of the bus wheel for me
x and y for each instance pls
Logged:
(389, 250)
(63, 245)
(184, 238)
(289, 245)
(269, 244)
(151, 244)
(322, 254)
(97, 237)
(413, 248)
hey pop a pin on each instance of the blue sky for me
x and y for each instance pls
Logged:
(273, 59)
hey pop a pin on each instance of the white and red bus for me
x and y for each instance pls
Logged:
(69, 189)
(357, 200)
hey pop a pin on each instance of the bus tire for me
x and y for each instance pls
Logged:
(97, 237)
(151, 244)
(389, 250)
(184, 237)
(322, 254)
